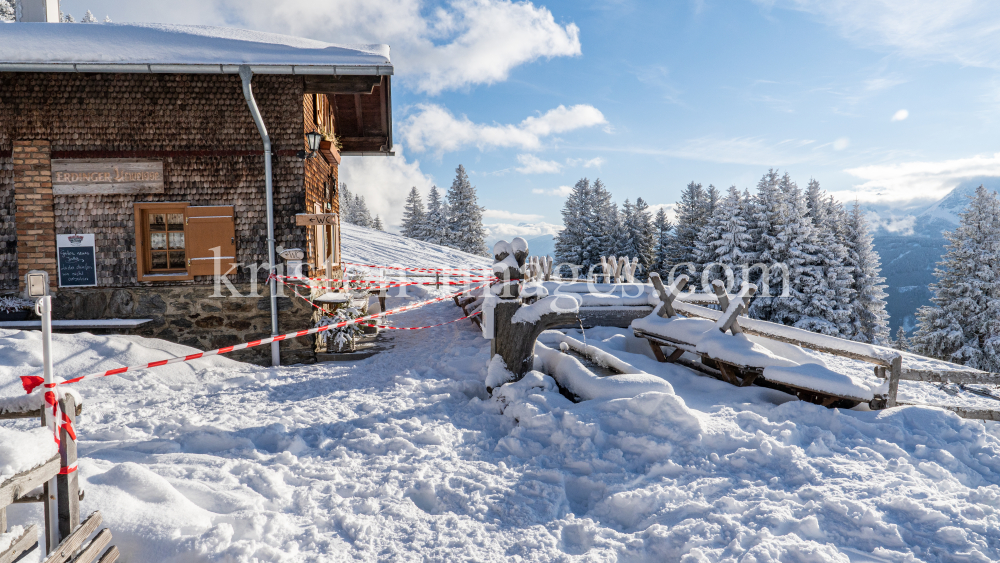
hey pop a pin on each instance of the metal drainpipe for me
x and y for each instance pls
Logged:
(246, 75)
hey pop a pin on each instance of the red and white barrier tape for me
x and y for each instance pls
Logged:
(390, 327)
(472, 278)
(378, 267)
(30, 382)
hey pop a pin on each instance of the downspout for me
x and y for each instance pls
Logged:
(246, 75)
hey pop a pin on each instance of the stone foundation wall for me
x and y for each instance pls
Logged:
(190, 315)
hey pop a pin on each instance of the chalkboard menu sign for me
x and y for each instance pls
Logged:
(77, 262)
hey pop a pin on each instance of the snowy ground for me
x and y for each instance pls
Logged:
(403, 457)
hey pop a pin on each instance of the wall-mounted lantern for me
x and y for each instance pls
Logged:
(312, 139)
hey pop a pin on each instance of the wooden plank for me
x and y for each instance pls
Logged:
(35, 495)
(749, 378)
(321, 84)
(657, 351)
(23, 544)
(68, 485)
(71, 543)
(895, 368)
(27, 480)
(110, 556)
(675, 355)
(91, 551)
(964, 412)
(757, 329)
(668, 296)
(735, 309)
(313, 219)
(106, 176)
(948, 376)
(727, 373)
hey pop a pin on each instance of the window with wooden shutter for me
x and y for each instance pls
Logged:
(177, 241)
(211, 234)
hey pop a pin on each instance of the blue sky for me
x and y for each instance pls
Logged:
(892, 102)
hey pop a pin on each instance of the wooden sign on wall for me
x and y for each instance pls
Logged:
(107, 176)
(308, 219)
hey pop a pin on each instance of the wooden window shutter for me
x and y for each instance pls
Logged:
(207, 228)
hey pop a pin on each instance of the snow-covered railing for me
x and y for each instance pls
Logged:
(891, 365)
(34, 461)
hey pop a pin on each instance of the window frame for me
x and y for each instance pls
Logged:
(143, 257)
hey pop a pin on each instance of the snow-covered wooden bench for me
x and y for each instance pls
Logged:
(29, 461)
(676, 324)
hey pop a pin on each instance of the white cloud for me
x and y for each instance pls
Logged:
(900, 115)
(962, 31)
(841, 144)
(435, 128)
(510, 216)
(385, 183)
(596, 162)
(508, 231)
(670, 208)
(909, 181)
(897, 225)
(561, 191)
(436, 45)
(531, 164)
(740, 150)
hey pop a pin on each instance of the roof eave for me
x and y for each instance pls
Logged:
(337, 70)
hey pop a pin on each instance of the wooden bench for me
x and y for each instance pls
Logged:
(65, 543)
(102, 324)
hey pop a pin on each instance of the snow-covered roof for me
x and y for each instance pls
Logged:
(157, 48)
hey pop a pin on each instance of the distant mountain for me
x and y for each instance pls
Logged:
(908, 260)
(544, 245)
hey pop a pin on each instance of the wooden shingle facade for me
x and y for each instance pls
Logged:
(198, 129)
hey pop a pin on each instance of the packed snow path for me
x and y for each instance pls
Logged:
(402, 457)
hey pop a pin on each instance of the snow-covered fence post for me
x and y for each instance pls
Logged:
(667, 296)
(515, 327)
(67, 482)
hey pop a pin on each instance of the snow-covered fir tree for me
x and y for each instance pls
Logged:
(569, 243)
(465, 217)
(767, 212)
(68, 18)
(725, 239)
(795, 249)
(605, 216)
(901, 343)
(868, 315)
(107, 19)
(435, 226)
(7, 12)
(353, 209)
(636, 238)
(89, 17)
(377, 224)
(645, 234)
(830, 299)
(691, 218)
(963, 324)
(413, 215)
(662, 229)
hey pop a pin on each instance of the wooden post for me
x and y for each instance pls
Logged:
(68, 484)
(667, 297)
(381, 299)
(437, 279)
(515, 342)
(896, 369)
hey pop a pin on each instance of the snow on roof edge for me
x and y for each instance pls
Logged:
(161, 48)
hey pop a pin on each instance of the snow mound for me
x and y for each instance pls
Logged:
(81, 354)
(818, 378)
(21, 450)
(368, 246)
